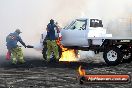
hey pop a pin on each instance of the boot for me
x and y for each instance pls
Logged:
(14, 61)
(48, 59)
(57, 59)
(21, 60)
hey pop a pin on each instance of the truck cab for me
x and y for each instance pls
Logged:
(78, 32)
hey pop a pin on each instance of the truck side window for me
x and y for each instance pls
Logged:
(96, 23)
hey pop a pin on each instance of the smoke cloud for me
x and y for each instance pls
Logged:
(32, 16)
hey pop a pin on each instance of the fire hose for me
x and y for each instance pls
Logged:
(30, 46)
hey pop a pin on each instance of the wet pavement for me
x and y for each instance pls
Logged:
(36, 73)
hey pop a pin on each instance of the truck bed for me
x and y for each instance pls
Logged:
(112, 38)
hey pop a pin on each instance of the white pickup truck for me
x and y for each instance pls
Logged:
(89, 34)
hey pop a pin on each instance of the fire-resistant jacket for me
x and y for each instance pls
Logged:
(12, 39)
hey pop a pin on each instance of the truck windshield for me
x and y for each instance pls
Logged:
(67, 26)
(96, 23)
(78, 25)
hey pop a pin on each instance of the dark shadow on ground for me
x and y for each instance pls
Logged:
(35, 62)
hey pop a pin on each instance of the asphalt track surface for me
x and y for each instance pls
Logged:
(36, 73)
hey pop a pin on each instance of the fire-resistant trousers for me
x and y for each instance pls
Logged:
(17, 54)
(52, 47)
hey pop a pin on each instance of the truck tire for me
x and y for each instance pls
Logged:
(44, 52)
(128, 60)
(127, 57)
(113, 56)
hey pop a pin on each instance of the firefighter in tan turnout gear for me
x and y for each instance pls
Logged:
(13, 48)
(51, 43)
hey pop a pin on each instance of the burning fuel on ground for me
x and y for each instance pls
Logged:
(68, 55)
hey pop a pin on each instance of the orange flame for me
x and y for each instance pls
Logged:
(61, 46)
(69, 55)
(81, 71)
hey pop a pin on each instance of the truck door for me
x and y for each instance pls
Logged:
(75, 34)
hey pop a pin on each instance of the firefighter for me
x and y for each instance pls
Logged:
(13, 48)
(51, 43)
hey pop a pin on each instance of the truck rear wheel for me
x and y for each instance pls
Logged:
(44, 52)
(113, 56)
(127, 53)
(128, 58)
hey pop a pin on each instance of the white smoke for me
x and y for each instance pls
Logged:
(32, 16)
